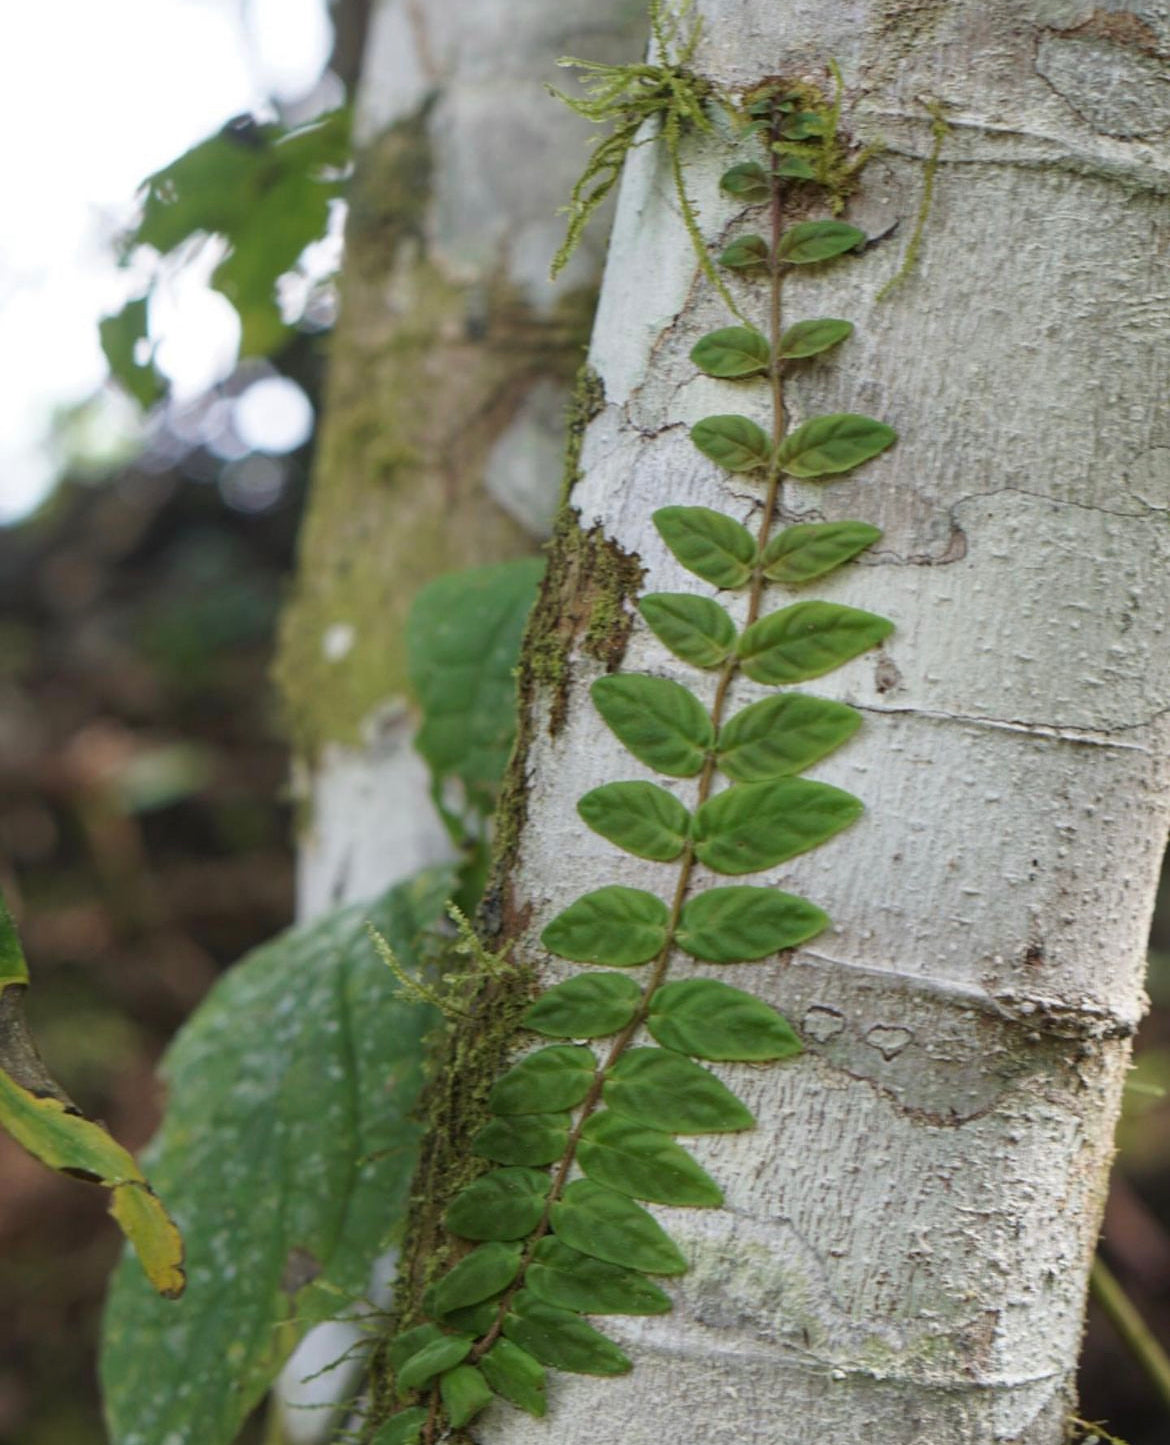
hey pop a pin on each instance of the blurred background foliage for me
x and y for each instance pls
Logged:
(146, 829)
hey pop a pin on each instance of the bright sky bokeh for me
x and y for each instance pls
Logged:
(98, 94)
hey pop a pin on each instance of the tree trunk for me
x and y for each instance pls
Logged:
(903, 1252)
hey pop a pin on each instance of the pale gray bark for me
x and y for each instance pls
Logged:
(904, 1250)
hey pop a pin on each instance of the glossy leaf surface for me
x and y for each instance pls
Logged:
(757, 825)
(587, 1006)
(739, 924)
(662, 723)
(528, 1139)
(663, 1090)
(783, 734)
(607, 1225)
(811, 549)
(747, 182)
(517, 1376)
(547, 1081)
(733, 442)
(464, 1392)
(810, 338)
(817, 241)
(695, 628)
(710, 544)
(712, 1020)
(828, 445)
(478, 1275)
(561, 1338)
(503, 1204)
(642, 1162)
(744, 253)
(439, 1355)
(642, 818)
(807, 640)
(619, 926)
(732, 351)
(561, 1275)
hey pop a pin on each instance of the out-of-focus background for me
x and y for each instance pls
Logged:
(146, 827)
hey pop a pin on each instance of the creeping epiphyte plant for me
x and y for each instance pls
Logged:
(582, 1128)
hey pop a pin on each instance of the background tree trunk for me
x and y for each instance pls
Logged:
(904, 1248)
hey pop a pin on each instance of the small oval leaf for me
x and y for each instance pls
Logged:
(478, 1275)
(435, 1357)
(516, 1375)
(561, 1338)
(563, 1276)
(712, 1020)
(794, 168)
(756, 825)
(810, 338)
(587, 1006)
(817, 241)
(619, 926)
(783, 734)
(528, 1139)
(464, 1393)
(825, 446)
(600, 1222)
(807, 640)
(645, 1163)
(740, 924)
(810, 549)
(746, 182)
(405, 1428)
(664, 1090)
(733, 442)
(732, 351)
(713, 546)
(642, 818)
(545, 1082)
(505, 1204)
(745, 253)
(662, 723)
(696, 629)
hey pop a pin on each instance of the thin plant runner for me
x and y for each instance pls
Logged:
(549, 1249)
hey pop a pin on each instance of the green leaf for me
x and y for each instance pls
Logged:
(817, 241)
(563, 1276)
(713, 546)
(827, 445)
(531, 1139)
(561, 1338)
(794, 168)
(464, 1393)
(642, 818)
(505, 1204)
(478, 1275)
(712, 1020)
(618, 926)
(435, 1357)
(476, 1319)
(696, 629)
(545, 1082)
(733, 442)
(740, 924)
(747, 182)
(587, 1006)
(748, 251)
(803, 125)
(405, 1428)
(517, 1376)
(302, 1065)
(810, 338)
(602, 1223)
(463, 642)
(810, 549)
(643, 1162)
(783, 734)
(663, 724)
(123, 339)
(402, 1347)
(663, 1090)
(757, 825)
(731, 352)
(808, 639)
